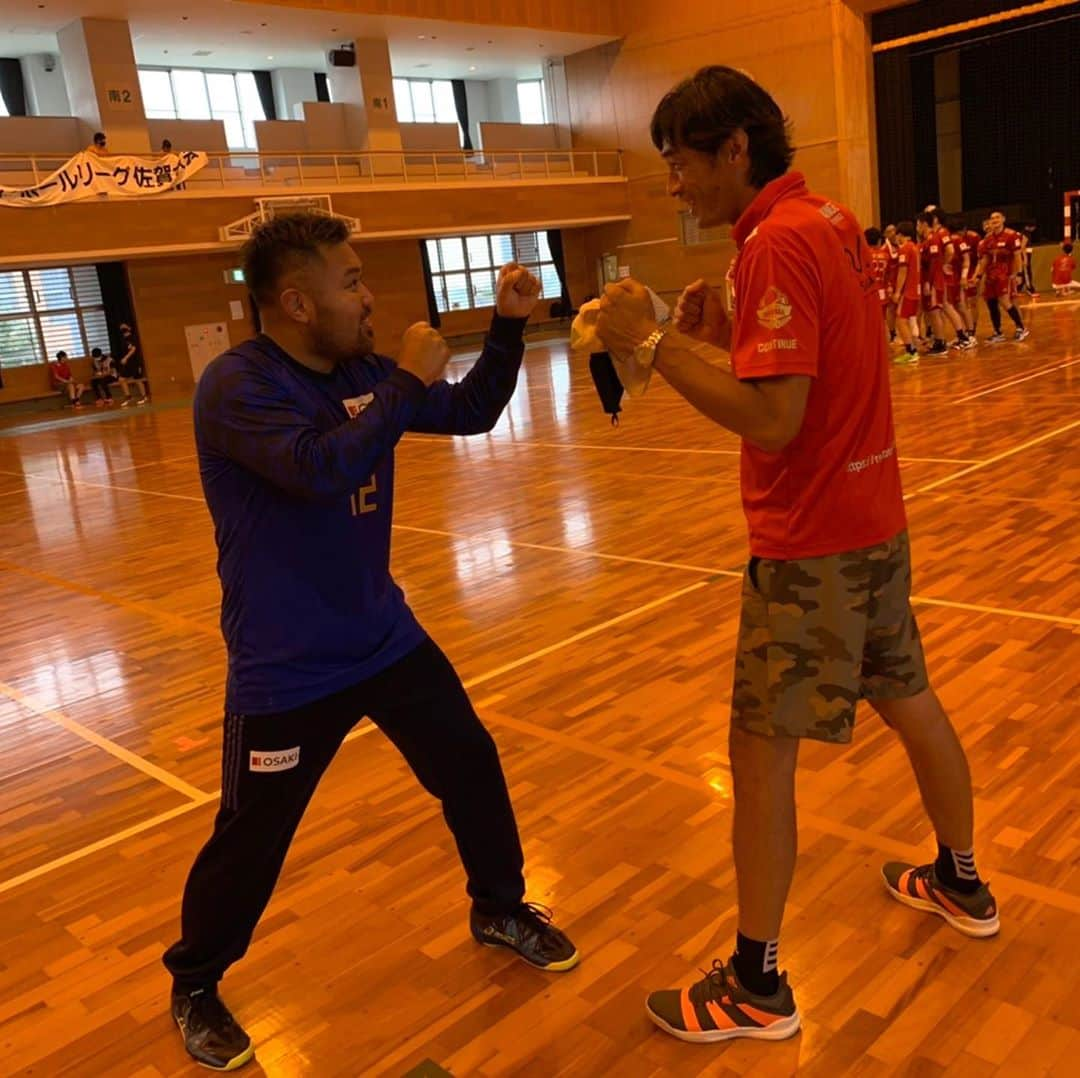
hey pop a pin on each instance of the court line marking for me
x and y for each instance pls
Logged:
(708, 570)
(201, 797)
(489, 538)
(999, 457)
(880, 843)
(84, 733)
(515, 444)
(111, 599)
(1015, 382)
(926, 600)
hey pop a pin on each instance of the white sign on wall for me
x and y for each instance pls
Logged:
(205, 343)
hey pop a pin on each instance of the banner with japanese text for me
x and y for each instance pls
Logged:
(90, 175)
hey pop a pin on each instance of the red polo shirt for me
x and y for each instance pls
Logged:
(805, 302)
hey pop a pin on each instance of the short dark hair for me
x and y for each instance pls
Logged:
(873, 236)
(905, 228)
(1067, 248)
(924, 218)
(95, 353)
(284, 242)
(166, 144)
(61, 354)
(99, 136)
(703, 111)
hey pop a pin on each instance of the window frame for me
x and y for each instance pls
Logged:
(522, 245)
(35, 313)
(246, 118)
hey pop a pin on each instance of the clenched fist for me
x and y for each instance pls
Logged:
(423, 353)
(701, 314)
(517, 292)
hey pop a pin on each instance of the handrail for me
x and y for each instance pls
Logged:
(313, 169)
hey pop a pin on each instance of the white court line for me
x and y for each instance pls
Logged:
(515, 444)
(1014, 382)
(58, 718)
(202, 798)
(487, 538)
(999, 457)
(1062, 619)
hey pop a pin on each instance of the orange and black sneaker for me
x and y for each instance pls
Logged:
(917, 886)
(718, 1008)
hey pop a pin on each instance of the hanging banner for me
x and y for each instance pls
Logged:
(90, 175)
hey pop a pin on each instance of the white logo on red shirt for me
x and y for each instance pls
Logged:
(774, 310)
(274, 760)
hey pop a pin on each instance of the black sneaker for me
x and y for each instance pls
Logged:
(211, 1034)
(529, 932)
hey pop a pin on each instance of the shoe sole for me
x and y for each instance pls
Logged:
(234, 1064)
(969, 926)
(563, 966)
(779, 1030)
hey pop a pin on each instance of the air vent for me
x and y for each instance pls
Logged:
(691, 234)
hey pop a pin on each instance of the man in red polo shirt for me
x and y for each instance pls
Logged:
(826, 612)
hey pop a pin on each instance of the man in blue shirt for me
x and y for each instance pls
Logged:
(296, 432)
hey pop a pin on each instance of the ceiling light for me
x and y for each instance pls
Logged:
(269, 58)
(473, 68)
(421, 37)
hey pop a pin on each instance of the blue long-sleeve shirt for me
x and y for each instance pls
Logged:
(302, 498)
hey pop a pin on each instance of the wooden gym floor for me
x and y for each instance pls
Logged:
(585, 581)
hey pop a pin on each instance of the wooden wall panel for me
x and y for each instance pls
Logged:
(595, 17)
(171, 293)
(85, 230)
(812, 55)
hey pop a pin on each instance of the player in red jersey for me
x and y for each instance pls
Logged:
(999, 263)
(879, 269)
(907, 289)
(938, 256)
(1062, 271)
(963, 265)
(933, 256)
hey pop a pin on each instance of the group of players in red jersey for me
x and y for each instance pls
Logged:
(933, 268)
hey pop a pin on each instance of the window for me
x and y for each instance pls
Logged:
(425, 101)
(188, 94)
(46, 311)
(3, 107)
(531, 102)
(464, 269)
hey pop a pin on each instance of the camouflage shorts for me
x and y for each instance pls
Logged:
(818, 634)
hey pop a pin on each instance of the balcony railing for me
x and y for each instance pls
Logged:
(352, 168)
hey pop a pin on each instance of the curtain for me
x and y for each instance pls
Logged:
(895, 136)
(116, 299)
(322, 87)
(461, 103)
(554, 238)
(924, 133)
(429, 288)
(265, 85)
(11, 87)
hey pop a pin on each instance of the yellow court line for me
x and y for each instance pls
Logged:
(107, 597)
(999, 457)
(880, 843)
(58, 718)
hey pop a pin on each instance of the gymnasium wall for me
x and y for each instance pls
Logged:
(171, 293)
(812, 55)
